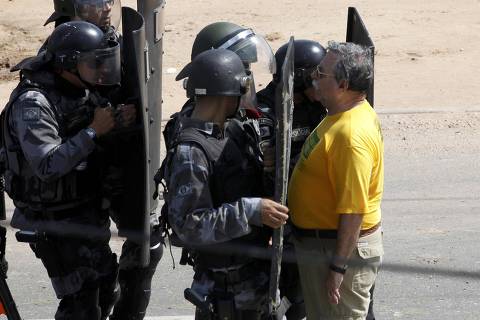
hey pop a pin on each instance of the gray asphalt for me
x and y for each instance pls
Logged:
(431, 229)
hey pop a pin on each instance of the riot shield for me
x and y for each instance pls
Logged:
(358, 33)
(133, 208)
(153, 14)
(283, 133)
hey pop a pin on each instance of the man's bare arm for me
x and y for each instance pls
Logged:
(347, 236)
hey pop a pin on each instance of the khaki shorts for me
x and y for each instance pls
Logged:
(314, 256)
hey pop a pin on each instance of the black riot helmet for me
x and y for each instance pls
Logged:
(216, 72)
(81, 47)
(102, 13)
(308, 55)
(252, 49)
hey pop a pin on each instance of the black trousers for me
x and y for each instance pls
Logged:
(135, 281)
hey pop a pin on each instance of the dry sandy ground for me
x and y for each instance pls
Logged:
(427, 51)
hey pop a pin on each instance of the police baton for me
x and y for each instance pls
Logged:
(7, 304)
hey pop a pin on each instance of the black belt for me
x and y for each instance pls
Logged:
(314, 233)
(59, 211)
(327, 233)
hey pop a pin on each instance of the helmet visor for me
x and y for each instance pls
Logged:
(249, 99)
(102, 13)
(101, 66)
(254, 50)
(256, 55)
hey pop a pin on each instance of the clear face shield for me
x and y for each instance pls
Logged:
(102, 13)
(101, 66)
(249, 99)
(258, 58)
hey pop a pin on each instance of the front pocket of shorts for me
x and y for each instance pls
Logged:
(371, 252)
(363, 281)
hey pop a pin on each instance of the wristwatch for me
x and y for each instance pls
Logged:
(91, 133)
(337, 269)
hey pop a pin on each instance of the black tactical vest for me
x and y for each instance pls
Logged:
(21, 183)
(236, 172)
(306, 117)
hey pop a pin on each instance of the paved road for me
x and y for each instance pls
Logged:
(431, 223)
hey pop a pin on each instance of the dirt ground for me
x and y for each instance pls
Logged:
(427, 52)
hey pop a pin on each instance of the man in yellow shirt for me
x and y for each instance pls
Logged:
(336, 189)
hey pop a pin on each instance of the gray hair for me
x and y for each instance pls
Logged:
(355, 65)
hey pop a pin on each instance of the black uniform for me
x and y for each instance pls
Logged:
(306, 117)
(213, 207)
(53, 169)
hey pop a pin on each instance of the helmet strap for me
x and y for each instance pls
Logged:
(74, 78)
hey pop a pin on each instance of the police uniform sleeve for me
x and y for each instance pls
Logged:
(191, 211)
(34, 124)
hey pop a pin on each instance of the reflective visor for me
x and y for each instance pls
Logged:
(102, 66)
(252, 49)
(102, 13)
(249, 98)
(257, 57)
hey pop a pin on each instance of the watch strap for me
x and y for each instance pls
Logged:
(337, 269)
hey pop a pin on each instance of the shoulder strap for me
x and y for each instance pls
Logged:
(186, 135)
(11, 150)
(191, 135)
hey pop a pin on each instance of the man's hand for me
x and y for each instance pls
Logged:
(103, 121)
(273, 214)
(126, 115)
(334, 280)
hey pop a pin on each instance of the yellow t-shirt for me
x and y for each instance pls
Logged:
(340, 171)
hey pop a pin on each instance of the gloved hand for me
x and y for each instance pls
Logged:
(126, 115)
(268, 151)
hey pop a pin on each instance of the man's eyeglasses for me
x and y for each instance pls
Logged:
(317, 74)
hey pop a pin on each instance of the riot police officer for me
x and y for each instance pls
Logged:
(308, 111)
(307, 114)
(257, 58)
(134, 279)
(52, 125)
(214, 184)
(105, 14)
